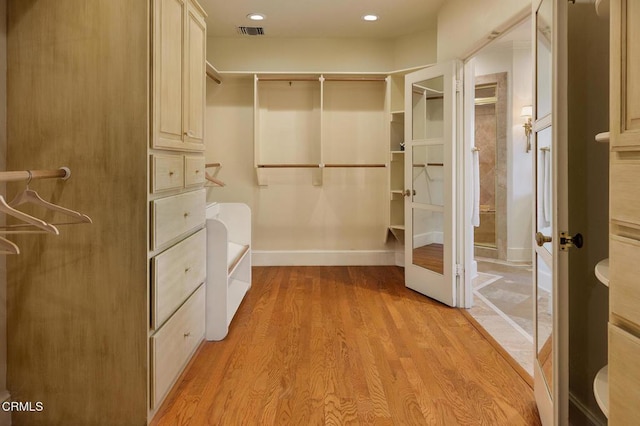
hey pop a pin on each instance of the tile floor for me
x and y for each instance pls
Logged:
(503, 305)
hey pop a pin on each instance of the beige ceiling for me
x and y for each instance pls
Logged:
(322, 18)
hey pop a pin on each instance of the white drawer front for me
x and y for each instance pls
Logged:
(193, 170)
(173, 344)
(167, 172)
(176, 273)
(173, 216)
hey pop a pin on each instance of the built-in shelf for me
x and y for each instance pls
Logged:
(601, 389)
(213, 73)
(398, 152)
(602, 271)
(228, 264)
(602, 137)
(397, 227)
(399, 113)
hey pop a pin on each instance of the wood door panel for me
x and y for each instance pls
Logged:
(624, 377)
(168, 62)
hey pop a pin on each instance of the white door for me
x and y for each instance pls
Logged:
(431, 100)
(550, 268)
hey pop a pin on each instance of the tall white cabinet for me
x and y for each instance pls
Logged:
(105, 317)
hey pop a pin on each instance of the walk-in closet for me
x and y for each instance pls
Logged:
(318, 212)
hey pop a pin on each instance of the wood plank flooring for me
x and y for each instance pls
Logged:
(430, 256)
(347, 345)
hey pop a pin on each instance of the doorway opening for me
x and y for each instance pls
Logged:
(503, 294)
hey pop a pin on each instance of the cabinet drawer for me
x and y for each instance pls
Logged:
(193, 170)
(176, 273)
(624, 287)
(173, 344)
(173, 216)
(167, 172)
(624, 377)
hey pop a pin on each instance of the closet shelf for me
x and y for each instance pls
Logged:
(398, 227)
(602, 137)
(602, 271)
(235, 253)
(601, 389)
(319, 166)
(213, 73)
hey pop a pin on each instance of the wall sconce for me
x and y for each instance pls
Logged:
(527, 113)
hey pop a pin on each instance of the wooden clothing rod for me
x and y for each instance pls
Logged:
(355, 165)
(212, 165)
(315, 166)
(288, 166)
(382, 79)
(429, 164)
(61, 173)
(289, 79)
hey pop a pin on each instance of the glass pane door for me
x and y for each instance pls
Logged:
(429, 117)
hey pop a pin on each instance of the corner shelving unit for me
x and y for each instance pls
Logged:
(601, 381)
(395, 96)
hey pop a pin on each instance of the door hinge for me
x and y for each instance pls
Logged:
(459, 85)
(459, 270)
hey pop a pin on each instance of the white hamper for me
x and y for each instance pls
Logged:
(228, 264)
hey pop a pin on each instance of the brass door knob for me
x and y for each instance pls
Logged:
(407, 192)
(541, 239)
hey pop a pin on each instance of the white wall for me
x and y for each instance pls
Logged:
(4, 417)
(252, 53)
(415, 50)
(464, 24)
(515, 59)
(295, 222)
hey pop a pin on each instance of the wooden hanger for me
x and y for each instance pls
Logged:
(7, 247)
(214, 180)
(31, 196)
(30, 220)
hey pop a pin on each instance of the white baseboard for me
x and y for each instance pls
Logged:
(519, 254)
(427, 238)
(323, 258)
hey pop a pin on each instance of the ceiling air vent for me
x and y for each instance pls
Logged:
(254, 31)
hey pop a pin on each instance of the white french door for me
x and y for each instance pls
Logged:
(550, 268)
(431, 133)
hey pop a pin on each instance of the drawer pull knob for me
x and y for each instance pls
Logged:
(187, 334)
(187, 269)
(171, 173)
(197, 171)
(186, 214)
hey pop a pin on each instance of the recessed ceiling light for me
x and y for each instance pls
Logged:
(370, 18)
(256, 16)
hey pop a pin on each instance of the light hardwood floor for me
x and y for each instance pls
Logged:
(347, 345)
